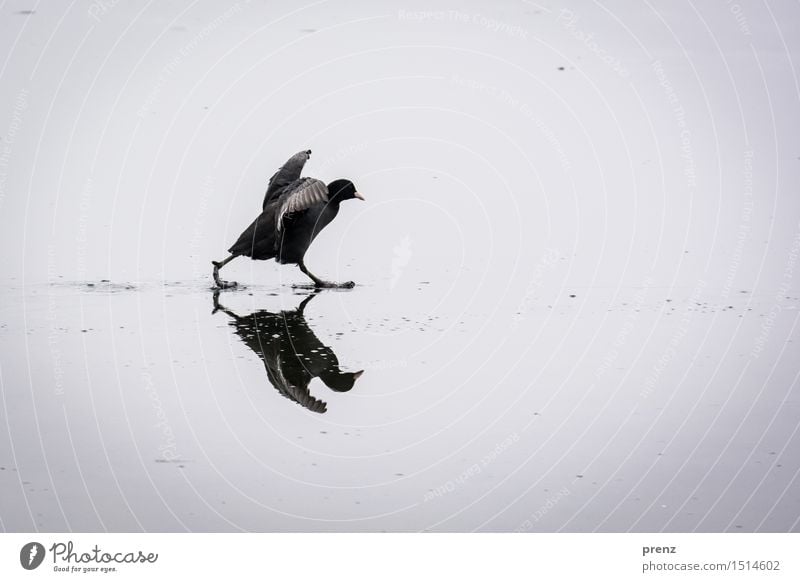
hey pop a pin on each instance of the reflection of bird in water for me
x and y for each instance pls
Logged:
(293, 213)
(291, 353)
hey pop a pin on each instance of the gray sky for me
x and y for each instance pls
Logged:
(140, 139)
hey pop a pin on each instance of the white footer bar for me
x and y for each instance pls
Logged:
(355, 557)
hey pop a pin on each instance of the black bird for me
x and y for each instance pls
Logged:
(294, 212)
(291, 353)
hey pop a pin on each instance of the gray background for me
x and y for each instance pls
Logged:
(577, 265)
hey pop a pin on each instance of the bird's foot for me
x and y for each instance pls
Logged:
(226, 284)
(332, 285)
(219, 282)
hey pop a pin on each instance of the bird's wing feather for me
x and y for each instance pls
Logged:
(288, 173)
(302, 396)
(298, 196)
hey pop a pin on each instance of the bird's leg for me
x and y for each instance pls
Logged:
(304, 302)
(322, 283)
(220, 307)
(219, 282)
(217, 306)
(317, 281)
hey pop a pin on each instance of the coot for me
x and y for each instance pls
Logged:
(291, 352)
(293, 213)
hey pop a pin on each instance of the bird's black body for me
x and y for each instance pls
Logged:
(294, 212)
(291, 352)
(262, 241)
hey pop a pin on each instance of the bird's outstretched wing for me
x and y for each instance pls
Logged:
(288, 173)
(301, 395)
(298, 196)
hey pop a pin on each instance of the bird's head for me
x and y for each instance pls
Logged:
(341, 190)
(340, 381)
